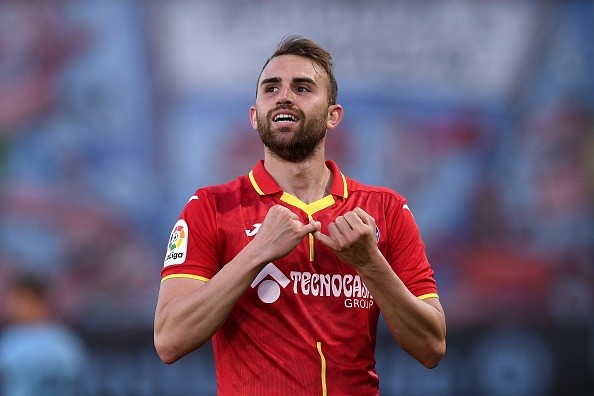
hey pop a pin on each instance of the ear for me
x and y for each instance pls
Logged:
(335, 113)
(253, 118)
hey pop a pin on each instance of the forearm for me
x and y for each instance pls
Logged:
(416, 325)
(186, 321)
(188, 314)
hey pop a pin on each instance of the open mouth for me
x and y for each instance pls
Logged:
(285, 118)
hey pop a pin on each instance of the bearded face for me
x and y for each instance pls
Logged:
(295, 143)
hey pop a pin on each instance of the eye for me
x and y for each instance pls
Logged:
(302, 88)
(270, 88)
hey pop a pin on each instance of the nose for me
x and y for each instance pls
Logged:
(285, 95)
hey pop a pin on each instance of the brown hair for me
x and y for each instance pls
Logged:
(300, 46)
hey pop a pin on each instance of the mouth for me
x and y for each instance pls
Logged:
(284, 118)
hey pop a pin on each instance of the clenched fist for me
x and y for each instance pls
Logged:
(281, 232)
(352, 237)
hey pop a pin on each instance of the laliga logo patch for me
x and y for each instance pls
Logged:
(178, 244)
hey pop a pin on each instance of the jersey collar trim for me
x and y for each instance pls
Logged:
(264, 184)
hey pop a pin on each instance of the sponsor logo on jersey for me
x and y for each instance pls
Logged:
(254, 230)
(348, 287)
(177, 247)
(269, 289)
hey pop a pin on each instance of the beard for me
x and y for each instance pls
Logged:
(290, 144)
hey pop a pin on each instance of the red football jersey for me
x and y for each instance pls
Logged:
(307, 324)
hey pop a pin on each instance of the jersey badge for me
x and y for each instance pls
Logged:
(177, 247)
(253, 231)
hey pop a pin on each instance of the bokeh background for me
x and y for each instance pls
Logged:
(481, 113)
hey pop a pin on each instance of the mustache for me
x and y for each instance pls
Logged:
(286, 106)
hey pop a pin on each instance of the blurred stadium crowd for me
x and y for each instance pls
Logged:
(481, 114)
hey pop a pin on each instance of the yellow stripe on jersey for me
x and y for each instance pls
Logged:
(256, 186)
(344, 183)
(311, 208)
(311, 243)
(429, 295)
(320, 204)
(186, 276)
(323, 361)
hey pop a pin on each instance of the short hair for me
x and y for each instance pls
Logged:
(300, 46)
(31, 283)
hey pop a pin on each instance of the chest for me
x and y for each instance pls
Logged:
(239, 225)
(311, 274)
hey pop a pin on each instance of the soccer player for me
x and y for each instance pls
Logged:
(288, 268)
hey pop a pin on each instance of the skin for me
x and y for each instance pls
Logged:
(25, 306)
(190, 311)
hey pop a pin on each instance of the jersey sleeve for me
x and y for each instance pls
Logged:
(406, 252)
(191, 250)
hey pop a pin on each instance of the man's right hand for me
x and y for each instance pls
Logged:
(280, 233)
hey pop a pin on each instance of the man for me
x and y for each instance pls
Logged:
(38, 354)
(288, 268)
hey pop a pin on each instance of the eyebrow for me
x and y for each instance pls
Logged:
(295, 80)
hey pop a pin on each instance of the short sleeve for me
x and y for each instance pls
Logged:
(406, 251)
(191, 249)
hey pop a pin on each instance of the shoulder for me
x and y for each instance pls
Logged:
(356, 188)
(235, 187)
(222, 197)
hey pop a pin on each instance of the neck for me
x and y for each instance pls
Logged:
(309, 180)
